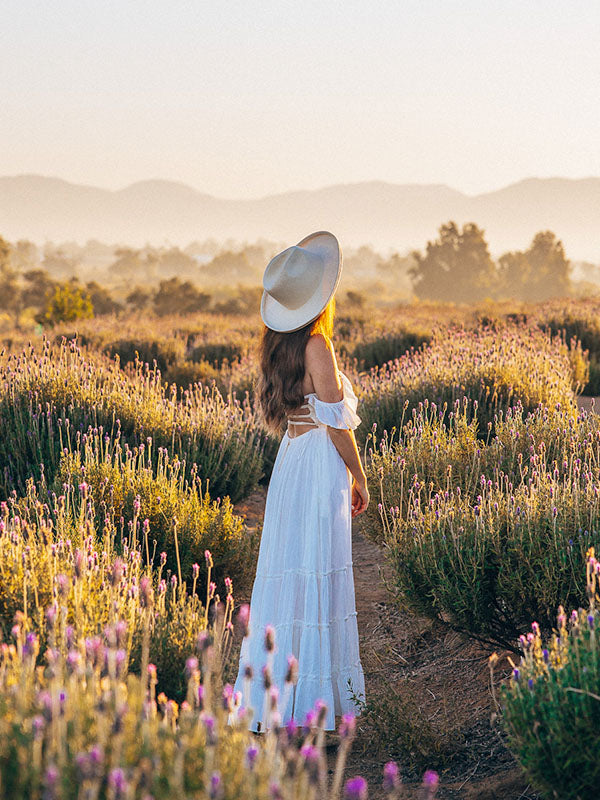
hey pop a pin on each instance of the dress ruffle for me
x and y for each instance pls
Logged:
(337, 415)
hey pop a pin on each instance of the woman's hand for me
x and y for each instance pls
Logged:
(360, 498)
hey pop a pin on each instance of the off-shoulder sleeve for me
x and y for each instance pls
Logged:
(341, 414)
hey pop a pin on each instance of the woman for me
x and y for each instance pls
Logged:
(304, 585)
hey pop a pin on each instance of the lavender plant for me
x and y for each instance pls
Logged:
(487, 536)
(182, 519)
(81, 712)
(63, 391)
(495, 368)
(551, 702)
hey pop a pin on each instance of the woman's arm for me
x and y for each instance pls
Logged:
(322, 367)
(345, 444)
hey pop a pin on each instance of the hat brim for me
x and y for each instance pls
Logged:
(285, 320)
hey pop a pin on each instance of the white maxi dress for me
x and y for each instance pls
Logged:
(304, 584)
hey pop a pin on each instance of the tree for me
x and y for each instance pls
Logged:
(102, 301)
(24, 255)
(59, 263)
(68, 303)
(539, 273)
(138, 299)
(231, 265)
(550, 268)
(175, 262)
(175, 297)
(10, 295)
(128, 263)
(457, 266)
(37, 288)
(19, 290)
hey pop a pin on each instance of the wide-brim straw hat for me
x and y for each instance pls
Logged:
(300, 281)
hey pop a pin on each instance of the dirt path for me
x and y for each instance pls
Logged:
(431, 689)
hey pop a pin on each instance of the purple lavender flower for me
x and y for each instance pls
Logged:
(347, 726)
(227, 697)
(243, 619)
(321, 709)
(312, 759)
(291, 729)
(431, 782)
(117, 782)
(62, 585)
(356, 788)
(209, 725)
(391, 776)
(146, 593)
(251, 755)
(275, 791)
(291, 676)
(310, 719)
(216, 786)
(117, 572)
(267, 680)
(51, 777)
(191, 665)
(269, 638)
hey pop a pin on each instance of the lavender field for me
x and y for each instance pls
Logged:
(128, 448)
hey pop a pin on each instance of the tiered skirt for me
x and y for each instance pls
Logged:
(304, 584)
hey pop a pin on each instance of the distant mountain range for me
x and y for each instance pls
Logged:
(386, 215)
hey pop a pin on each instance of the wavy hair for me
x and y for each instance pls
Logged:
(282, 367)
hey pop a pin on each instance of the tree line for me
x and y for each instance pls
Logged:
(457, 266)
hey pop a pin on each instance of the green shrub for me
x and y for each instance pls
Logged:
(217, 352)
(185, 373)
(46, 398)
(183, 520)
(63, 551)
(497, 369)
(68, 303)
(393, 723)
(376, 352)
(551, 704)
(94, 641)
(165, 352)
(495, 537)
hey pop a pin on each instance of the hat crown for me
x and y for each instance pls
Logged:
(292, 276)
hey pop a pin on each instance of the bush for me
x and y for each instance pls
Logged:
(376, 352)
(183, 520)
(495, 538)
(76, 722)
(239, 376)
(45, 399)
(165, 352)
(579, 322)
(551, 704)
(68, 303)
(497, 369)
(217, 352)
(51, 553)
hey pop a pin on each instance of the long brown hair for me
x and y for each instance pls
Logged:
(283, 368)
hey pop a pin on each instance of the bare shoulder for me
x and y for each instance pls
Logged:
(322, 367)
(319, 349)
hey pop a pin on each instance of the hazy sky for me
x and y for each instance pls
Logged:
(244, 98)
